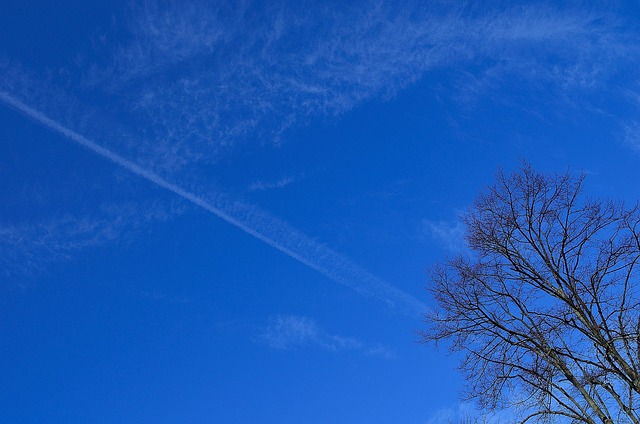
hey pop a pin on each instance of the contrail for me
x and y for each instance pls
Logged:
(290, 241)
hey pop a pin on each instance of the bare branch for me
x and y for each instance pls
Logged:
(547, 310)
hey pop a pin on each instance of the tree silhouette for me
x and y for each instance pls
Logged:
(545, 306)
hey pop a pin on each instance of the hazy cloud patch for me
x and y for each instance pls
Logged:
(252, 71)
(28, 248)
(291, 332)
(262, 185)
(449, 234)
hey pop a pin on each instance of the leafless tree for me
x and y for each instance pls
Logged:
(545, 306)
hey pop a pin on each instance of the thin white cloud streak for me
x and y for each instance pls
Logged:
(27, 248)
(290, 332)
(261, 185)
(288, 241)
(381, 351)
(451, 235)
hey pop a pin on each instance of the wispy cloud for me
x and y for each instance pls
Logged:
(629, 122)
(450, 235)
(28, 248)
(290, 332)
(381, 351)
(198, 80)
(261, 185)
(251, 220)
(293, 332)
(255, 70)
(632, 134)
(192, 81)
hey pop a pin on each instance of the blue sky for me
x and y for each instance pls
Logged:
(224, 211)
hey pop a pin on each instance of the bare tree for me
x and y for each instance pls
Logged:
(545, 308)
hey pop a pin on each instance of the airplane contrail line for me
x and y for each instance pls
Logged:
(382, 289)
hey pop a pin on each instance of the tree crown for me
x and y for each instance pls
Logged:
(545, 308)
